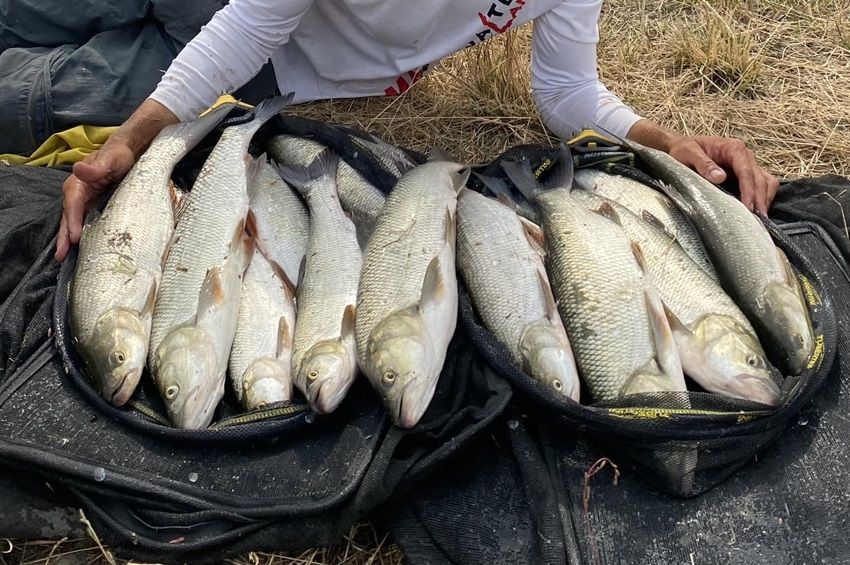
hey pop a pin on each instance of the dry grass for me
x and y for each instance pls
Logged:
(774, 72)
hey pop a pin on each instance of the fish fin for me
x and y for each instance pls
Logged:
(251, 224)
(673, 194)
(254, 169)
(534, 234)
(639, 256)
(437, 154)
(499, 188)
(270, 107)
(150, 302)
(667, 354)
(551, 306)
(179, 201)
(324, 165)
(522, 176)
(281, 274)
(652, 220)
(614, 138)
(284, 336)
(450, 229)
(790, 277)
(606, 210)
(433, 285)
(563, 174)
(302, 268)
(676, 324)
(212, 292)
(242, 244)
(460, 178)
(346, 330)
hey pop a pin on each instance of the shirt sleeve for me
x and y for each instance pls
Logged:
(564, 78)
(227, 53)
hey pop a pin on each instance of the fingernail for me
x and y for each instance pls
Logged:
(716, 174)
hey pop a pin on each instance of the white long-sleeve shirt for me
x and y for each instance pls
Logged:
(325, 49)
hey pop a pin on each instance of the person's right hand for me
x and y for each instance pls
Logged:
(93, 175)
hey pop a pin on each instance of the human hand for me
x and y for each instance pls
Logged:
(715, 158)
(91, 177)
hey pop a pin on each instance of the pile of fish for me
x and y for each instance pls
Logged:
(296, 272)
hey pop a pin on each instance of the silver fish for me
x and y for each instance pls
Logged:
(652, 206)
(360, 198)
(718, 347)
(614, 318)
(282, 222)
(407, 300)
(261, 357)
(324, 356)
(119, 265)
(206, 243)
(754, 272)
(508, 284)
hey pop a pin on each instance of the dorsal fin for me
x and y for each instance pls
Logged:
(284, 337)
(652, 220)
(606, 210)
(346, 330)
(639, 256)
(433, 285)
(551, 305)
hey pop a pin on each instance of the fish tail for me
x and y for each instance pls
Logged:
(302, 178)
(269, 108)
(526, 181)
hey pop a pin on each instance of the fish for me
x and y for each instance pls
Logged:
(718, 346)
(260, 364)
(407, 298)
(752, 270)
(119, 265)
(496, 256)
(207, 244)
(651, 205)
(282, 222)
(614, 317)
(324, 357)
(358, 197)
(191, 362)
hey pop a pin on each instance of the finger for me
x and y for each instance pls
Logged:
(91, 172)
(62, 243)
(761, 193)
(772, 187)
(75, 208)
(744, 167)
(697, 158)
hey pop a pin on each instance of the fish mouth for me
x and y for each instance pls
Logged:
(125, 389)
(327, 397)
(759, 389)
(411, 410)
(195, 419)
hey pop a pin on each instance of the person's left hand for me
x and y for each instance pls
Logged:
(715, 158)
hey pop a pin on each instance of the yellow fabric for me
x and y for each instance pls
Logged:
(72, 145)
(66, 147)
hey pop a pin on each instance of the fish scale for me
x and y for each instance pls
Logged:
(215, 209)
(358, 197)
(637, 197)
(495, 258)
(599, 288)
(331, 276)
(119, 265)
(409, 233)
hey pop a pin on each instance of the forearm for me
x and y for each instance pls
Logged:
(142, 127)
(653, 135)
(227, 53)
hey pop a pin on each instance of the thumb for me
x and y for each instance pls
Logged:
(704, 165)
(93, 171)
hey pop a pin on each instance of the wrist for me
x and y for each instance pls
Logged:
(142, 127)
(653, 135)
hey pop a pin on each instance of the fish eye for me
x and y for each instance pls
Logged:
(752, 361)
(557, 384)
(116, 357)
(313, 375)
(389, 378)
(171, 392)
